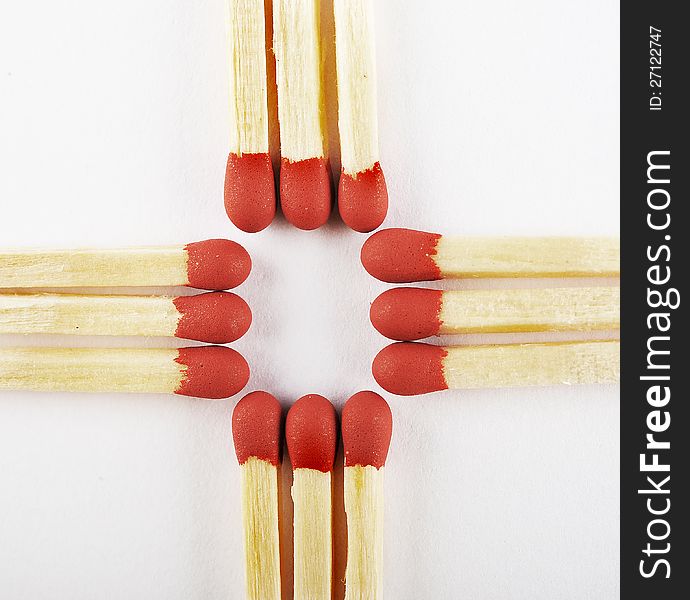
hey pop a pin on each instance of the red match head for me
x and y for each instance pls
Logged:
(363, 199)
(250, 195)
(256, 426)
(217, 264)
(311, 431)
(408, 369)
(367, 426)
(215, 318)
(407, 313)
(305, 192)
(401, 255)
(212, 372)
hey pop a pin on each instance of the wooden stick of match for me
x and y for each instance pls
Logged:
(203, 372)
(211, 264)
(256, 427)
(215, 317)
(415, 313)
(406, 255)
(249, 185)
(311, 431)
(367, 425)
(305, 180)
(362, 193)
(408, 369)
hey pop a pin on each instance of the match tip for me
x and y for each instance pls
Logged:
(215, 317)
(408, 369)
(305, 192)
(363, 199)
(367, 428)
(217, 264)
(212, 372)
(250, 195)
(311, 431)
(256, 425)
(407, 313)
(401, 255)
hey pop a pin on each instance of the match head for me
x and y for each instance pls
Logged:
(217, 264)
(215, 317)
(363, 199)
(250, 195)
(212, 372)
(366, 428)
(401, 255)
(407, 313)
(408, 369)
(311, 431)
(305, 192)
(256, 426)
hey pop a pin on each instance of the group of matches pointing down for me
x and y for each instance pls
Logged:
(407, 314)
(217, 317)
(311, 432)
(305, 183)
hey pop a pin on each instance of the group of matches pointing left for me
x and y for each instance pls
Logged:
(305, 186)
(215, 317)
(311, 432)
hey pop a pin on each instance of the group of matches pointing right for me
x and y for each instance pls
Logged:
(407, 314)
(311, 432)
(305, 175)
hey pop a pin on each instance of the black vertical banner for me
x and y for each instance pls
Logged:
(655, 361)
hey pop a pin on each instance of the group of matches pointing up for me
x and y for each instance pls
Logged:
(311, 432)
(305, 177)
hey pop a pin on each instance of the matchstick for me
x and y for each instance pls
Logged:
(415, 313)
(311, 431)
(215, 317)
(305, 179)
(250, 199)
(367, 425)
(406, 255)
(408, 369)
(210, 265)
(362, 193)
(204, 372)
(256, 427)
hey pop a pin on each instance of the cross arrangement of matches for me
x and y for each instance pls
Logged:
(311, 431)
(217, 317)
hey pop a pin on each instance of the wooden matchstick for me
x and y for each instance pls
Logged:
(250, 199)
(406, 255)
(305, 179)
(362, 193)
(415, 313)
(367, 425)
(408, 368)
(311, 431)
(215, 317)
(256, 427)
(211, 265)
(203, 372)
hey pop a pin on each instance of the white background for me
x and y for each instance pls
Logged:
(496, 117)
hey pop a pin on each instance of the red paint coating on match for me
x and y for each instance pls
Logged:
(311, 432)
(408, 369)
(363, 199)
(367, 428)
(305, 192)
(256, 427)
(250, 194)
(217, 264)
(401, 255)
(407, 313)
(215, 318)
(212, 372)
